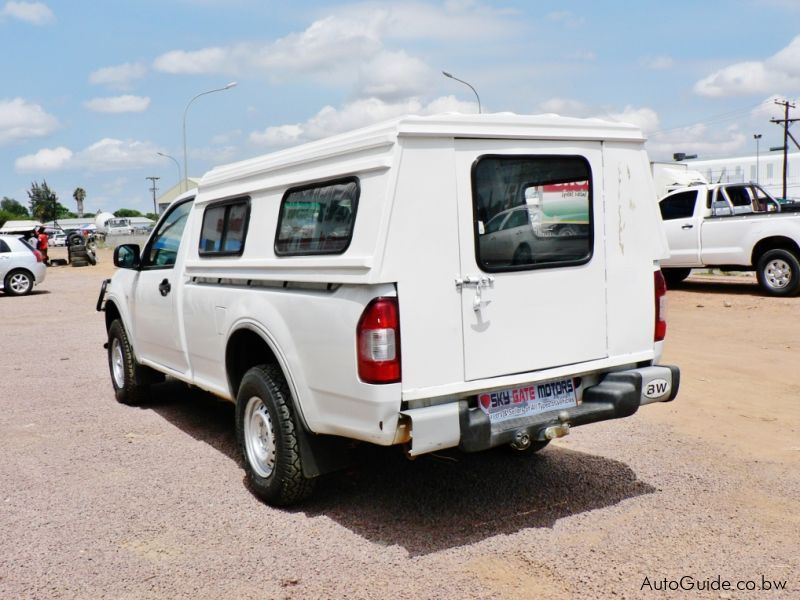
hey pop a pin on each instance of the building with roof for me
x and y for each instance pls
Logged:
(165, 199)
(765, 169)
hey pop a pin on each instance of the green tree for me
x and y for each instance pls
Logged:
(43, 202)
(127, 212)
(152, 216)
(13, 207)
(80, 195)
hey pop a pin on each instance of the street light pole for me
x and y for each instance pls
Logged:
(186, 110)
(757, 138)
(177, 164)
(451, 76)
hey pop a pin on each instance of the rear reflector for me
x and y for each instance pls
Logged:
(378, 342)
(661, 307)
(39, 256)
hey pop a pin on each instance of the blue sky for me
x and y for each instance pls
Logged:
(92, 91)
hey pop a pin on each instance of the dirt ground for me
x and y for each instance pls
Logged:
(100, 500)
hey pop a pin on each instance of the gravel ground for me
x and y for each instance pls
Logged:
(100, 500)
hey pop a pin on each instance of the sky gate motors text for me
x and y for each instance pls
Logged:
(555, 390)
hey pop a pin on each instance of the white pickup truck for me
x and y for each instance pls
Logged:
(735, 227)
(430, 282)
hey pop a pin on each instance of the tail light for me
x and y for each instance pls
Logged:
(378, 342)
(661, 306)
(39, 256)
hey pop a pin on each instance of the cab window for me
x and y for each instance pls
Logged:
(224, 228)
(162, 249)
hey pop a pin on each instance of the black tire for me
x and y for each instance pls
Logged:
(79, 262)
(267, 435)
(778, 272)
(92, 258)
(75, 239)
(674, 277)
(18, 283)
(522, 255)
(79, 253)
(131, 380)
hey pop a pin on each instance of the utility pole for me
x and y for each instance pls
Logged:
(786, 121)
(154, 189)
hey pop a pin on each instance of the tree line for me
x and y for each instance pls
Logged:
(43, 206)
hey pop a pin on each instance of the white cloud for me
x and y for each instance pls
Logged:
(697, 139)
(46, 159)
(657, 63)
(207, 60)
(119, 76)
(360, 113)
(339, 47)
(780, 72)
(34, 13)
(118, 104)
(394, 75)
(107, 154)
(20, 120)
(565, 107)
(644, 118)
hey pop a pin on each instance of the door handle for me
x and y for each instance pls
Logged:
(687, 226)
(164, 287)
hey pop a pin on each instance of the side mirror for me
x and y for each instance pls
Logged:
(126, 256)
(720, 208)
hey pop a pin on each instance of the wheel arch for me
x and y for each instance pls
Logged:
(773, 243)
(20, 270)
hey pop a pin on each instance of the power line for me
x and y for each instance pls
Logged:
(727, 116)
(786, 135)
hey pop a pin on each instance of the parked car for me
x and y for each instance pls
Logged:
(736, 227)
(58, 239)
(341, 292)
(21, 267)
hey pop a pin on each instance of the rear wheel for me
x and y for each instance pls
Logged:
(267, 436)
(18, 283)
(674, 277)
(779, 273)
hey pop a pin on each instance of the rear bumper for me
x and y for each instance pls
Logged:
(617, 395)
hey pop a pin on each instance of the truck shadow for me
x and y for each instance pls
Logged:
(437, 501)
(734, 288)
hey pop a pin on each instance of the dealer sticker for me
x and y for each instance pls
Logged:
(528, 400)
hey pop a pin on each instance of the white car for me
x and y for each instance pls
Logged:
(21, 267)
(58, 239)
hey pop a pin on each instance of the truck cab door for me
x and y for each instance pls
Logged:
(156, 329)
(682, 228)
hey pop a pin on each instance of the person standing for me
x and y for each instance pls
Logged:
(33, 240)
(43, 244)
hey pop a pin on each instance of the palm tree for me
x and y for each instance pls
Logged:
(79, 194)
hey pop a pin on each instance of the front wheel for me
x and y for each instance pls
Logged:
(131, 380)
(778, 273)
(267, 436)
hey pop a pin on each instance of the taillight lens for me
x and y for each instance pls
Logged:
(39, 256)
(661, 306)
(378, 342)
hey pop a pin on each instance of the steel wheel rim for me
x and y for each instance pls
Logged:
(19, 283)
(117, 363)
(778, 273)
(259, 437)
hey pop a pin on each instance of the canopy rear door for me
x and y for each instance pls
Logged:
(532, 279)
